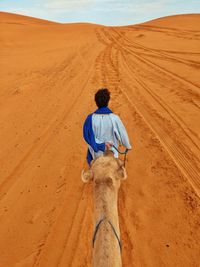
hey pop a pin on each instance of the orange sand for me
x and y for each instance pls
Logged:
(49, 73)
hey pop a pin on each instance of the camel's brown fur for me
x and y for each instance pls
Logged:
(106, 173)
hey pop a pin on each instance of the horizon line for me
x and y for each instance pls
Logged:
(82, 22)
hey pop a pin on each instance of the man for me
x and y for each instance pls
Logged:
(103, 129)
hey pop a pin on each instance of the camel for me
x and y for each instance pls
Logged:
(106, 172)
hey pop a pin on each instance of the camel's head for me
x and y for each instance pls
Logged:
(105, 169)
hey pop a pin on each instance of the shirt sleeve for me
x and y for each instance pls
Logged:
(121, 133)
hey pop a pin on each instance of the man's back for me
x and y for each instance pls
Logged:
(109, 128)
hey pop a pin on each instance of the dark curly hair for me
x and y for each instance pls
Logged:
(102, 97)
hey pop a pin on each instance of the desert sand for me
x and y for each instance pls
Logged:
(49, 74)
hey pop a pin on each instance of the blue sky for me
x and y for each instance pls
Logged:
(110, 12)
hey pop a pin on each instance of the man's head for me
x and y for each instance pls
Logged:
(102, 97)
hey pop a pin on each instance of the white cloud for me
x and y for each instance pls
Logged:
(67, 4)
(138, 7)
(142, 8)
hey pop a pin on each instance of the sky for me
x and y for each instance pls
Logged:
(106, 12)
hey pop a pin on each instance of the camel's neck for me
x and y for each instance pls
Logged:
(106, 247)
(105, 203)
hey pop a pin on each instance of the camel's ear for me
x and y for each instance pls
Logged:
(122, 174)
(86, 176)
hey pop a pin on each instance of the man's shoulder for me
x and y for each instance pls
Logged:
(114, 116)
(89, 116)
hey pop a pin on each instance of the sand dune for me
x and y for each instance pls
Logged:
(49, 73)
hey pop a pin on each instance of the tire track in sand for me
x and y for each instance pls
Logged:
(40, 143)
(109, 77)
(183, 156)
(64, 232)
(120, 44)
